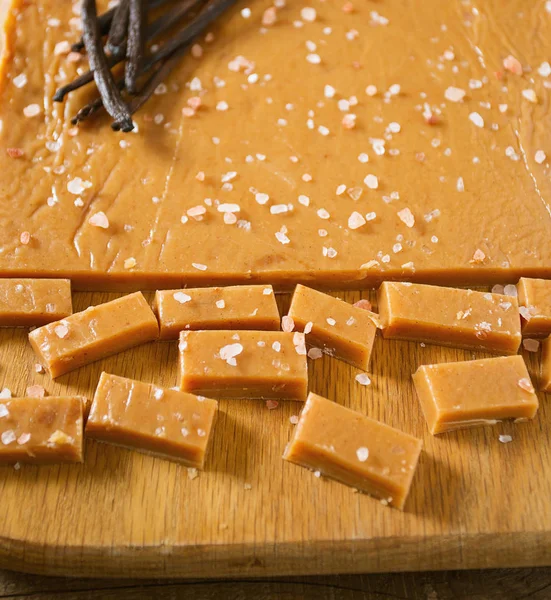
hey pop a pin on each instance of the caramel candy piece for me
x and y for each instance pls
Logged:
(354, 449)
(236, 307)
(450, 317)
(28, 302)
(41, 430)
(476, 392)
(339, 328)
(94, 333)
(546, 365)
(141, 416)
(244, 364)
(534, 297)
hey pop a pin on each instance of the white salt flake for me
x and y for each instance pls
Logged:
(181, 297)
(99, 219)
(540, 157)
(8, 437)
(363, 379)
(229, 352)
(406, 216)
(454, 94)
(371, 181)
(362, 453)
(199, 266)
(476, 119)
(5, 393)
(62, 331)
(505, 439)
(32, 110)
(356, 220)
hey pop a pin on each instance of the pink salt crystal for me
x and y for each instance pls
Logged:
(14, 152)
(35, 391)
(478, 256)
(365, 304)
(287, 324)
(25, 238)
(510, 63)
(271, 404)
(526, 385)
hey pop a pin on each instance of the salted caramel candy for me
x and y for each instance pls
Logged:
(41, 430)
(534, 298)
(546, 365)
(476, 392)
(354, 449)
(244, 364)
(34, 302)
(144, 417)
(450, 317)
(94, 333)
(337, 327)
(234, 307)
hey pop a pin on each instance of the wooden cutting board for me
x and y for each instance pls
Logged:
(475, 502)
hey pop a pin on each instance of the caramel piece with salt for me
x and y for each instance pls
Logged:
(339, 328)
(234, 307)
(476, 392)
(144, 417)
(534, 298)
(94, 333)
(244, 364)
(41, 430)
(546, 365)
(450, 317)
(355, 450)
(28, 302)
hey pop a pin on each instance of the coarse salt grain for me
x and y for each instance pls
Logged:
(222, 106)
(460, 186)
(406, 216)
(181, 297)
(540, 157)
(99, 219)
(35, 391)
(363, 379)
(544, 69)
(287, 324)
(31, 110)
(308, 14)
(510, 290)
(61, 331)
(4, 412)
(476, 119)
(229, 352)
(276, 346)
(512, 64)
(199, 266)
(293, 419)
(454, 94)
(478, 257)
(371, 181)
(261, 198)
(130, 263)
(331, 321)
(329, 91)
(315, 353)
(20, 80)
(356, 220)
(8, 437)
(530, 345)
(5, 394)
(77, 186)
(505, 439)
(322, 213)
(530, 95)
(313, 59)
(304, 200)
(525, 384)
(269, 17)
(362, 453)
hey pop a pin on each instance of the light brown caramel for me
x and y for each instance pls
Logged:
(476, 392)
(354, 449)
(94, 333)
(534, 298)
(325, 150)
(41, 430)
(144, 417)
(244, 364)
(546, 365)
(234, 307)
(337, 327)
(29, 302)
(450, 317)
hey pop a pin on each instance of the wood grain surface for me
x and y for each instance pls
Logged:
(475, 502)
(502, 584)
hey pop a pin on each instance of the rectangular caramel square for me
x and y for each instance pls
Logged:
(355, 450)
(477, 392)
(144, 417)
(337, 327)
(450, 317)
(41, 430)
(244, 364)
(34, 302)
(546, 365)
(94, 333)
(234, 307)
(534, 298)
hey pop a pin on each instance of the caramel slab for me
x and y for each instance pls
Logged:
(355, 450)
(477, 392)
(534, 298)
(234, 307)
(244, 364)
(337, 327)
(144, 417)
(41, 430)
(338, 137)
(546, 365)
(29, 302)
(94, 333)
(450, 317)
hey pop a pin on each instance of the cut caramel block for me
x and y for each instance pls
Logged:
(141, 416)
(28, 302)
(337, 327)
(235, 307)
(546, 366)
(534, 298)
(473, 393)
(244, 364)
(355, 450)
(450, 317)
(41, 430)
(94, 333)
